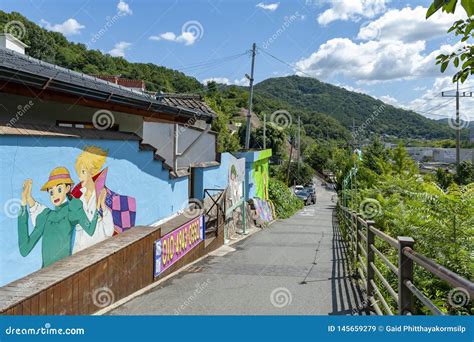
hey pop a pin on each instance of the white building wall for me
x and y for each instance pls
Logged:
(160, 135)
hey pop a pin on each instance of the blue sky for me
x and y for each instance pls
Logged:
(383, 48)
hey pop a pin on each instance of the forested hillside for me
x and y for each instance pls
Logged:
(53, 47)
(326, 111)
(313, 96)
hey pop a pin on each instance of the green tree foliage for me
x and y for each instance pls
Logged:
(463, 58)
(440, 219)
(53, 47)
(285, 202)
(464, 173)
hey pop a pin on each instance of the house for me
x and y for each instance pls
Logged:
(61, 127)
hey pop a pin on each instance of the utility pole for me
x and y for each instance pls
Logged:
(299, 146)
(289, 161)
(458, 123)
(249, 113)
(264, 130)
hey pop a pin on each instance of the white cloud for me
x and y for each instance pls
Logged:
(351, 10)
(221, 80)
(224, 80)
(123, 8)
(188, 38)
(69, 27)
(244, 81)
(268, 7)
(372, 61)
(408, 25)
(119, 49)
(432, 105)
(391, 101)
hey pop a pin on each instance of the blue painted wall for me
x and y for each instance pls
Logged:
(216, 177)
(131, 172)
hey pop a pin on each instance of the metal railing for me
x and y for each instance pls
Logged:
(361, 236)
(215, 215)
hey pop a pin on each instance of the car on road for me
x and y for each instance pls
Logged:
(298, 188)
(312, 193)
(305, 196)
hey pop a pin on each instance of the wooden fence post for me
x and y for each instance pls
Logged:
(370, 258)
(405, 272)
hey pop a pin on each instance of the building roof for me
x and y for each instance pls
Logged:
(193, 101)
(139, 84)
(31, 72)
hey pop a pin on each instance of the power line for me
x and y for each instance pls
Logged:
(211, 62)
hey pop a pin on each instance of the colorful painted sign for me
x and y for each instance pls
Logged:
(173, 246)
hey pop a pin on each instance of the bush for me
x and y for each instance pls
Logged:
(285, 202)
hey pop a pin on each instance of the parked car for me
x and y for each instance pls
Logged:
(298, 188)
(312, 193)
(305, 196)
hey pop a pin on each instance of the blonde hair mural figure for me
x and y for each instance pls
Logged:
(88, 165)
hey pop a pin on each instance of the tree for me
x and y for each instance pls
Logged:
(463, 58)
(374, 154)
(464, 173)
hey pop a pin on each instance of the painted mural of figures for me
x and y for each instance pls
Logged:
(88, 164)
(54, 226)
(234, 185)
(119, 212)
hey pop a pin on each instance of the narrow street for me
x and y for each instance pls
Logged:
(295, 267)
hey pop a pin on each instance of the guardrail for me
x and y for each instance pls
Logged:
(361, 235)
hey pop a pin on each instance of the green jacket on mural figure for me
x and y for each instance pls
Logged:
(55, 226)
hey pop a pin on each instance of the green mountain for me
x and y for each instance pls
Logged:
(310, 96)
(326, 111)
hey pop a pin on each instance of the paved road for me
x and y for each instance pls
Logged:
(295, 267)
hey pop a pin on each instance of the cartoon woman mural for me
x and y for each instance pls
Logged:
(56, 225)
(88, 164)
(119, 212)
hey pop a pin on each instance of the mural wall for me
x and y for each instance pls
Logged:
(216, 177)
(257, 175)
(61, 195)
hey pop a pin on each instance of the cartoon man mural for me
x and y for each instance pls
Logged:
(88, 164)
(55, 226)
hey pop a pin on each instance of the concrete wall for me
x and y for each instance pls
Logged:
(441, 155)
(160, 135)
(131, 172)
